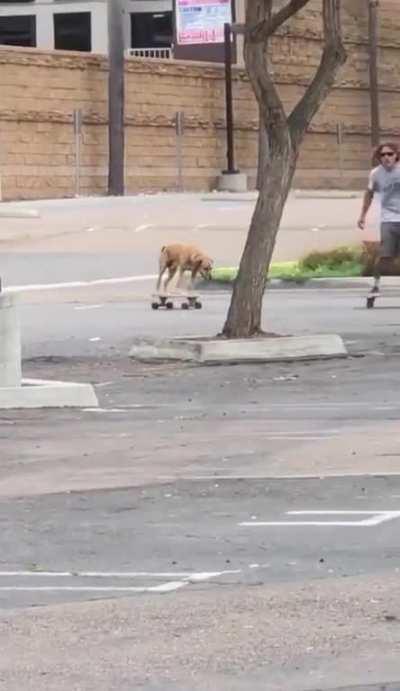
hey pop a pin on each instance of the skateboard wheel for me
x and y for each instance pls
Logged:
(370, 303)
(169, 305)
(198, 305)
(185, 306)
(154, 305)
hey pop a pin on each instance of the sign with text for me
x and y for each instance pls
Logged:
(201, 21)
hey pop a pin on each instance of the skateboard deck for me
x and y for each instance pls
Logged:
(186, 300)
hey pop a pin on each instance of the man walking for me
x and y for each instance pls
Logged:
(385, 180)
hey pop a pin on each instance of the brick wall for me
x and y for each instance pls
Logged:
(40, 90)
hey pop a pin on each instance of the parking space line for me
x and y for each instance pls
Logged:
(324, 476)
(162, 588)
(377, 517)
(46, 581)
(80, 284)
(202, 575)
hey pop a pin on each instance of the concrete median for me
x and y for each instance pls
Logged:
(208, 351)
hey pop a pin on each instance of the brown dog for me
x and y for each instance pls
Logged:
(183, 258)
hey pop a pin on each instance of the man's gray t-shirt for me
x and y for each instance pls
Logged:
(387, 184)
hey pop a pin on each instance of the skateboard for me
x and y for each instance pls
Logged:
(167, 301)
(371, 297)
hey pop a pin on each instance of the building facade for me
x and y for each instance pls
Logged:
(82, 26)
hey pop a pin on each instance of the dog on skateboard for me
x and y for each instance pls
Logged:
(180, 258)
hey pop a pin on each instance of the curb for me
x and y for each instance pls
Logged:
(41, 393)
(327, 194)
(19, 213)
(219, 351)
(364, 282)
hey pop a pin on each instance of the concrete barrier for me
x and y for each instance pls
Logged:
(16, 392)
(230, 351)
(10, 342)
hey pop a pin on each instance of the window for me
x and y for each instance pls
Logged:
(72, 31)
(19, 30)
(151, 29)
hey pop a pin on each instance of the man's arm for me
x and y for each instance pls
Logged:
(367, 201)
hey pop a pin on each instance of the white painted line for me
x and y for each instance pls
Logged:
(377, 517)
(325, 476)
(163, 588)
(167, 587)
(202, 575)
(105, 410)
(79, 284)
(144, 226)
(324, 404)
(198, 577)
(95, 339)
(88, 307)
(298, 437)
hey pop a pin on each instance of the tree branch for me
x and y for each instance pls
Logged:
(271, 108)
(264, 29)
(333, 57)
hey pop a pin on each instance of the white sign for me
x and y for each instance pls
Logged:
(376, 517)
(201, 21)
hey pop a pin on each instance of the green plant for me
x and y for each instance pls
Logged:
(331, 258)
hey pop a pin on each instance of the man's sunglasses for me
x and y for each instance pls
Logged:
(387, 153)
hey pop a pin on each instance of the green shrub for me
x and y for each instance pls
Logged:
(331, 259)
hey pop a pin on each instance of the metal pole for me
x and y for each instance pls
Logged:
(373, 71)
(116, 134)
(77, 132)
(228, 100)
(179, 125)
(339, 137)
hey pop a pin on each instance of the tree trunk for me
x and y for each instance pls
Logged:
(244, 315)
(262, 152)
(280, 137)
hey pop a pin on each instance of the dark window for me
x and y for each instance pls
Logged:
(72, 31)
(151, 29)
(19, 30)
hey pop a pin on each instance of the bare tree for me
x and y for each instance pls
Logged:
(284, 134)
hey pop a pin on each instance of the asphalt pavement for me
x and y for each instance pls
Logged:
(107, 319)
(212, 528)
(196, 534)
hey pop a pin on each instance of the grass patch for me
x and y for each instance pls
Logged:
(342, 262)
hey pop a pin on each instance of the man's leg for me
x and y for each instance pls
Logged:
(387, 252)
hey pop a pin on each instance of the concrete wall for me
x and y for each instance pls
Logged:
(40, 90)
